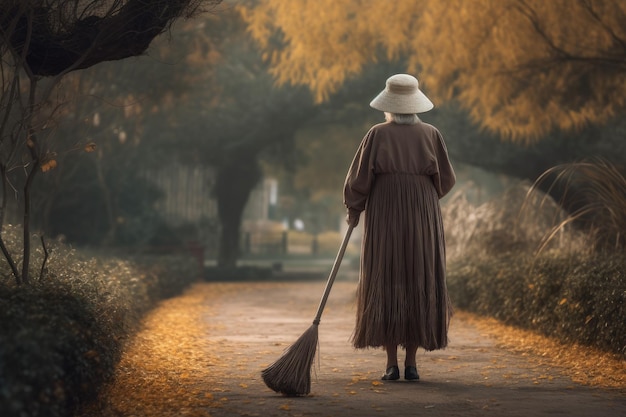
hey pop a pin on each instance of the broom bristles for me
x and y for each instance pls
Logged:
(291, 373)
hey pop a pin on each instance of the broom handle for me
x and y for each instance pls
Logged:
(333, 274)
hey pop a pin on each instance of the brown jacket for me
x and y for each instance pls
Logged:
(393, 148)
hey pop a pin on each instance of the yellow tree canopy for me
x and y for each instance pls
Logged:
(521, 67)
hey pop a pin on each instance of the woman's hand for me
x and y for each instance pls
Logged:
(352, 219)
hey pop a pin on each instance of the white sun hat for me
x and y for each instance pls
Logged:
(402, 96)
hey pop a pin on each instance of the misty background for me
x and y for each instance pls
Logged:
(197, 145)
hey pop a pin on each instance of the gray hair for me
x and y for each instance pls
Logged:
(402, 119)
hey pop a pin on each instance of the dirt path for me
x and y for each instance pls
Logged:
(201, 354)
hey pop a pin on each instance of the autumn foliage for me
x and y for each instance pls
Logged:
(520, 67)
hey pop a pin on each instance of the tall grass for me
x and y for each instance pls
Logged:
(595, 191)
(517, 221)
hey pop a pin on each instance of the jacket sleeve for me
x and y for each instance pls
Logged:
(445, 178)
(360, 177)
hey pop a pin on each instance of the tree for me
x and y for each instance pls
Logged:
(248, 120)
(67, 35)
(125, 107)
(326, 145)
(520, 67)
(41, 39)
(329, 144)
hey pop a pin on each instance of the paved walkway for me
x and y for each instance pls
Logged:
(240, 328)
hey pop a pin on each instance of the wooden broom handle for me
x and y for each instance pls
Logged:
(333, 274)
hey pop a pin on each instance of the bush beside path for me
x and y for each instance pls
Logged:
(201, 354)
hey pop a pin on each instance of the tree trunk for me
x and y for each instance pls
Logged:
(3, 208)
(111, 234)
(233, 186)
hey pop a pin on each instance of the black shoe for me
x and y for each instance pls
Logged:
(391, 374)
(410, 373)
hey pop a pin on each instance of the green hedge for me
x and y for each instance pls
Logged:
(572, 298)
(62, 337)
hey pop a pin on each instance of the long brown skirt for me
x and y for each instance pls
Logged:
(402, 296)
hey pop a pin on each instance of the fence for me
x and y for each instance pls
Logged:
(279, 243)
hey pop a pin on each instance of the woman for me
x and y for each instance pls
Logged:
(400, 171)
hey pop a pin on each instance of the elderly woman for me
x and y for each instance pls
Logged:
(400, 171)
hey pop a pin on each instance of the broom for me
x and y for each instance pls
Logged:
(291, 373)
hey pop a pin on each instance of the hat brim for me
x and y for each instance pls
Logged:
(413, 103)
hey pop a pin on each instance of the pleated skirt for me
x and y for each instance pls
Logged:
(402, 298)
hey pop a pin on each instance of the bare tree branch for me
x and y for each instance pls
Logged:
(45, 258)
(588, 5)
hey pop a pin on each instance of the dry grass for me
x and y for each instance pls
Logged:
(597, 192)
(519, 220)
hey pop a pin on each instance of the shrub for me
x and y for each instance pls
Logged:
(508, 260)
(572, 298)
(63, 335)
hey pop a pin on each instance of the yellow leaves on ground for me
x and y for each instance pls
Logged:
(168, 363)
(366, 385)
(583, 364)
(356, 379)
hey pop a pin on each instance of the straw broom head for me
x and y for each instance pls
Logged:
(291, 373)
